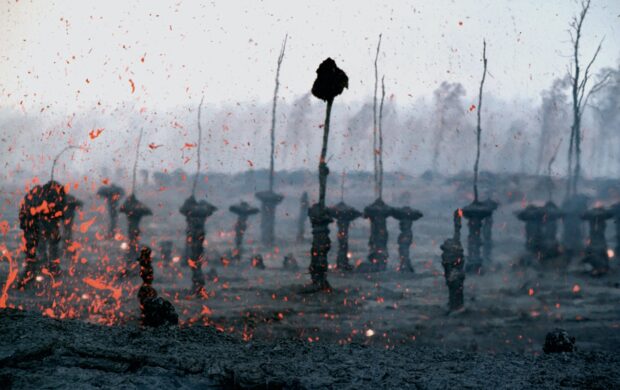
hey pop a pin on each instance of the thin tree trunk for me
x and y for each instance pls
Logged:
(135, 163)
(273, 114)
(478, 128)
(381, 138)
(374, 122)
(322, 163)
(199, 147)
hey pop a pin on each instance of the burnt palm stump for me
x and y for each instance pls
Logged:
(615, 209)
(572, 232)
(596, 251)
(71, 205)
(452, 260)
(134, 210)
(304, 204)
(112, 195)
(29, 222)
(406, 216)
(533, 217)
(550, 243)
(320, 219)
(243, 211)
(196, 214)
(269, 201)
(475, 213)
(344, 215)
(487, 231)
(54, 196)
(378, 212)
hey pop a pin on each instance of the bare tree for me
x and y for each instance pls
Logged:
(380, 170)
(198, 148)
(580, 95)
(374, 122)
(478, 128)
(273, 113)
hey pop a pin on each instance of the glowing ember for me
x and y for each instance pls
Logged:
(39, 278)
(349, 255)
(610, 253)
(530, 292)
(124, 246)
(85, 296)
(176, 259)
(370, 333)
(576, 288)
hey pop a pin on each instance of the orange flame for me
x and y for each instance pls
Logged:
(117, 292)
(10, 277)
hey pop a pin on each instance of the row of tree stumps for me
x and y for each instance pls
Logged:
(541, 226)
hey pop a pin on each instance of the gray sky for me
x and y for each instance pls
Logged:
(69, 55)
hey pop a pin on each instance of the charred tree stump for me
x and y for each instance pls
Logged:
(344, 215)
(596, 251)
(487, 232)
(71, 205)
(475, 213)
(29, 222)
(378, 212)
(243, 211)
(112, 195)
(290, 263)
(269, 201)
(533, 217)
(53, 195)
(406, 216)
(165, 251)
(320, 219)
(615, 209)
(572, 234)
(452, 260)
(196, 214)
(550, 243)
(134, 211)
(304, 204)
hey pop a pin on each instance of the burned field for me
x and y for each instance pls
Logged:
(248, 314)
(449, 229)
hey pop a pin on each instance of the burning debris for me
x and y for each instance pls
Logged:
(155, 311)
(559, 341)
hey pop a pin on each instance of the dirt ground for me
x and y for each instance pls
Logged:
(372, 330)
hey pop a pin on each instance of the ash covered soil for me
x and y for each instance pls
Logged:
(387, 329)
(41, 352)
